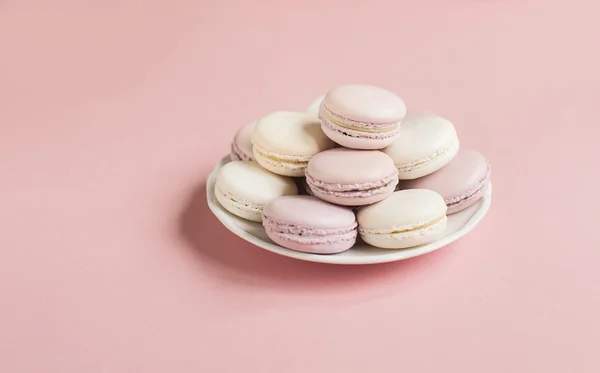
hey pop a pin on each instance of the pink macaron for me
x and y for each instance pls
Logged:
(461, 183)
(361, 116)
(307, 224)
(351, 177)
(241, 146)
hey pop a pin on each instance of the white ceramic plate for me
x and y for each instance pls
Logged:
(459, 224)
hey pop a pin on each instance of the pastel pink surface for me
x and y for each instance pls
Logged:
(112, 114)
(465, 177)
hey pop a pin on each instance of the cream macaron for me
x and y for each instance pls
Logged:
(283, 142)
(244, 188)
(426, 142)
(406, 219)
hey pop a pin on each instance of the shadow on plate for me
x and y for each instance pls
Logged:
(233, 259)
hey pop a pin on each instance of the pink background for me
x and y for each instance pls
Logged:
(113, 113)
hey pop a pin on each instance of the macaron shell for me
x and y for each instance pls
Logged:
(309, 212)
(351, 177)
(355, 142)
(324, 248)
(365, 103)
(307, 224)
(464, 174)
(407, 240)
(426, 141)
(430, 166)
(242, 143)
(404, 209)
(291, 167)
(305, 190)
(421, 134)
(353, 201)
(242, 209)
(290, 133)
(468, 201)
(233, 154)
(346, 166)
(245, 182)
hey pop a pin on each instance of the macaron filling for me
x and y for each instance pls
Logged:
(410, 166)
(406, 231)
(310, 193)
(382, 186)
(358, 133)
(240, 204)
(311, 236)
(298, 161)
(358, 125)
(357, 129)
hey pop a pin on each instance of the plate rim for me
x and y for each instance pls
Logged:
(393, 256)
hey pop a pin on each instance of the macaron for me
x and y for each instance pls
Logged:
(426, 143)
(314, 107)
(308, 224)
(361, 116)
(241, 146)
(284, 142)
(305, 190)
(244, 188)
(406, 219)
(351, 177)
(461, 182)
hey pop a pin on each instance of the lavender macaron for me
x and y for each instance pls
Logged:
(361, 116)
(241, 146)
(351, 177)
(307, 224)
(461, 183)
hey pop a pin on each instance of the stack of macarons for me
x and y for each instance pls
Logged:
(354, 164)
